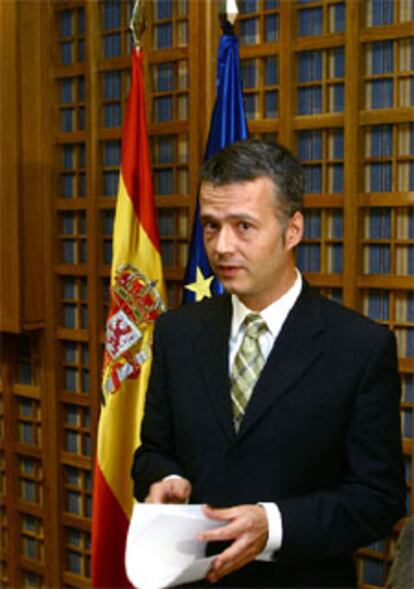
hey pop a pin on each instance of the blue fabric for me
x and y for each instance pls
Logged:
(228, 124)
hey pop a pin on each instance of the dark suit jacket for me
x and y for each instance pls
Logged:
(321, 434)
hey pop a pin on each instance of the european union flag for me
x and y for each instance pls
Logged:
(228, 124)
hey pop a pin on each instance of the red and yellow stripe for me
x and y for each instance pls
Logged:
(135, 242)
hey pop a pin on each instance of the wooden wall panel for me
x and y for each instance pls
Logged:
(24, 172)
(9, 179)
(34, 166)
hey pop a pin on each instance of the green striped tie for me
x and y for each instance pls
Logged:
(247, 366)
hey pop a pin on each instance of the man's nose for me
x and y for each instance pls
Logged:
(225, 241)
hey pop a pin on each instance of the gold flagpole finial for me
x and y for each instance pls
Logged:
(228, 10)
(138, 22)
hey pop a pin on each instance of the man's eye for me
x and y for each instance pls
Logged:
(243, 226)
(209, 226)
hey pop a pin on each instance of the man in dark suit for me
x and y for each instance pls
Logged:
(275, 406)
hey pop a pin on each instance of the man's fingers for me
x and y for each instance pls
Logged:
(224, 515)
(220, 513)
(232, 553)
(248, 527)
(233, 558)
(229, 532)
(176, 490)
(156, 494)
(180, 489)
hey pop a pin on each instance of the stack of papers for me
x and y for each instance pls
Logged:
(162, 548)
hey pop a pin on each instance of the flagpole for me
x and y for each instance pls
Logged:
(228, 11)
(138, 22)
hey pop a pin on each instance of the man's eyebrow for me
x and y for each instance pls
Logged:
(242, 216)
(207, 217)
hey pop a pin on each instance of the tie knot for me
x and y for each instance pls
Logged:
(254, 325)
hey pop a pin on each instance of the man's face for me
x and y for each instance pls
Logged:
(248, 248)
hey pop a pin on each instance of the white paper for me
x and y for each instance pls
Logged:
(162, 548)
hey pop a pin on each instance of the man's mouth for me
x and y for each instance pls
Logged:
(228, 270)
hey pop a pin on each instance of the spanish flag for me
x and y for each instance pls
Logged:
(137, 294)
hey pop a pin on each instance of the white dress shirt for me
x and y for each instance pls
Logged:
(274, 316)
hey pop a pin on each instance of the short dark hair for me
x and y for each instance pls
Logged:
(248, 160)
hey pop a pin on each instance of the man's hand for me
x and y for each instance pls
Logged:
(174, 490)
(247, 526)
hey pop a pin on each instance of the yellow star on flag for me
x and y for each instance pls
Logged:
(201, 287)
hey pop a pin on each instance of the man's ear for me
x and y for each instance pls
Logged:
(294, 230)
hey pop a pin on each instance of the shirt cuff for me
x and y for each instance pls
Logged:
(274, 539)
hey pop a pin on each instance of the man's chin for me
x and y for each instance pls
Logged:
(231, 287)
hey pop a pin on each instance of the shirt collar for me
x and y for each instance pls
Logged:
(274, 315)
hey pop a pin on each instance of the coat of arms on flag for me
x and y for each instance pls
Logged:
(135, 302)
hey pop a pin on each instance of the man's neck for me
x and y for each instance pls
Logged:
(256, 303)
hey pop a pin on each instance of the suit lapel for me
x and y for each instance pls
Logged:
(211, 340)
(296, 349)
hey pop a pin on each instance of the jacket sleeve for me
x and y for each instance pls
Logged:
(155, 458)
(371, 496)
